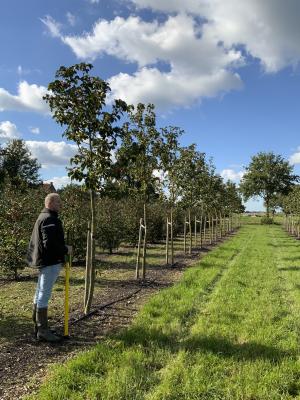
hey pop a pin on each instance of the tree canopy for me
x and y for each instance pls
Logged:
(17, 164)
(78, 102)
(267, 175)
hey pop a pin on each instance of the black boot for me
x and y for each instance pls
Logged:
(43, 332)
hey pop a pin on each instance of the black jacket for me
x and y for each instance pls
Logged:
(47, 243)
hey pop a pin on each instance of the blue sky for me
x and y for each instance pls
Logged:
(225, 72)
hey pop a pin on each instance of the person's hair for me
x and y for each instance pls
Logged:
(50, 198)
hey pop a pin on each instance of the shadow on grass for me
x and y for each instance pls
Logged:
(219, 346)
(292, 268)
(282, 243)
(240, 351)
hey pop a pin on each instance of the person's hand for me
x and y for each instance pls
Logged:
(70, 250)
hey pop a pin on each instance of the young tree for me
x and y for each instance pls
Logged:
(291, 207)
(267, 175)
(137, 159)
(232, 199)
(191, 177)
(169, 156)
(78, 102)
(17, 164)
(75, 215)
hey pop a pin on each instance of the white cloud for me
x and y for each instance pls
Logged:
(198, 65)
(51, 153)
(123, 38)
(8, 131)
(231, 175)
(29, 98)
(175, 41)
(295, 158)
(59, 181)
(191, 6)
(34, 130)
(71, 18)
(53, 27)
(269, 29)
(171, 89)
(201, 43)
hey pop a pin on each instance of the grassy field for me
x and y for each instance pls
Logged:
(228, 330)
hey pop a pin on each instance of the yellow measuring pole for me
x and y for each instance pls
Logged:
(67, 287)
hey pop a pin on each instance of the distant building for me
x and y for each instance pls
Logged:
(49, 187)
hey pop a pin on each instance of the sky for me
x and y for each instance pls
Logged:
(226, 72)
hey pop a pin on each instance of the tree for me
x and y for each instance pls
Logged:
(110, 227)
(169, 156)
(232, 201)
(18, 208)
(267, 175)
(137, 159)
(192, 171)
(75, 216)
(291, 207)
(17, 164)
(291, 203)
(78, 102)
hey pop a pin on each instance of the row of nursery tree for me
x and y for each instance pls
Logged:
(291, 207)
(137, 183)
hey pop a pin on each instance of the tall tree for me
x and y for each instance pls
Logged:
(267, 175)
(232, 201)
(137, 159)
(169, 157)
(191, 175)
(78, 102)
(17, 164)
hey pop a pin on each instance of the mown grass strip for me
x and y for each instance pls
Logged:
(226, 331)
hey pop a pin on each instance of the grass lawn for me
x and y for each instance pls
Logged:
(228, 330)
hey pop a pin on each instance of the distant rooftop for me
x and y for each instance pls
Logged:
(49, 187)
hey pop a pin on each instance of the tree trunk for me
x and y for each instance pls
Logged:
(221, 221)
(201, 221)
(184, 235)
(87, 266)
(167, 242)
(172, 244)
(268, 207)
(144, 243)
(204, 230)
(92, 275)
(137, 267)
(216, 229)
(210, 229)
(190, 232)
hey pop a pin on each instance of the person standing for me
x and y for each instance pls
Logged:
(46, 251)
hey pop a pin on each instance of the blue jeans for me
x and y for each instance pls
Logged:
(46, 280)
